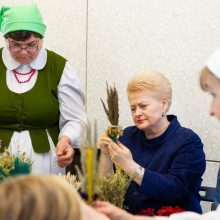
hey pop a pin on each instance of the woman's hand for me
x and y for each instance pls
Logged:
(105, 164)
(113, 212)
(103, 143)
(89, 213)
(120, 155)
(64, 152)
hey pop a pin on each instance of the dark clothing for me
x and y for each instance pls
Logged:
(217, 196)
(174, 164)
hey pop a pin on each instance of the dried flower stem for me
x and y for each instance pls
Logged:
(88, 175)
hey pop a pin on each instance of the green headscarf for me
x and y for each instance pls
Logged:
(21, 17)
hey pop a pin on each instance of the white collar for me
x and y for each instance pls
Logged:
(38, 63)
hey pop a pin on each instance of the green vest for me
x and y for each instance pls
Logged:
(35, 110)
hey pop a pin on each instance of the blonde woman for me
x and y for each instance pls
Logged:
(210, 82)
(164, 159)
(42, 198)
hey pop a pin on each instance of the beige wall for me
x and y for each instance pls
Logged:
(121, 37)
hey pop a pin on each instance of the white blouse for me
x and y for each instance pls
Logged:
(73, 119)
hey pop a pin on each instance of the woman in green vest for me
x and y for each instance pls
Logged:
(41, 104)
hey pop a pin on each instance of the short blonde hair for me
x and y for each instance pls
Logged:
(153, 81)
(39, 198)
(204, 74)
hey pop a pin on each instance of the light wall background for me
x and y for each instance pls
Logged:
(109, 40)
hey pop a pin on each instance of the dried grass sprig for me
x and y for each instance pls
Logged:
(71, 179)
(112, 109)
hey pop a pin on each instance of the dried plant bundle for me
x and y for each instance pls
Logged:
(112, 113)
(111, 110)
(112, 188)
(14, 165)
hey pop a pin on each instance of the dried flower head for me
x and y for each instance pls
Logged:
(114, 131)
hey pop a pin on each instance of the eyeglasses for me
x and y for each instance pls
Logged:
(16, 48)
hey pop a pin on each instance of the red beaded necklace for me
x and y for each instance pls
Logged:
(31, 73)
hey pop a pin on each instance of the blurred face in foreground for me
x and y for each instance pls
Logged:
(213, 86)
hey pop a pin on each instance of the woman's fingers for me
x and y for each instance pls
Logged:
(103, 140)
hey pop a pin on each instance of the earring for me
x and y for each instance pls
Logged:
(163, 114)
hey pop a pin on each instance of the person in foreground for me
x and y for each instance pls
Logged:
(33, 197)
(42, 110)
(164, 160)
(210, 82)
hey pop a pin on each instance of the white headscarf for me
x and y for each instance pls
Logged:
(213, 63)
